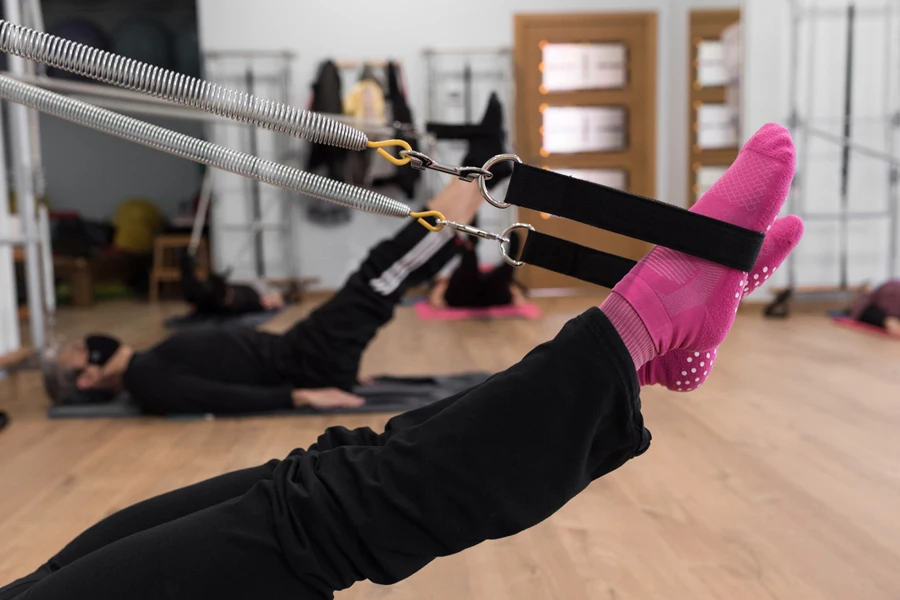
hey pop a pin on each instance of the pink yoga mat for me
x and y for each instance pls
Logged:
(851, 323)
(427, 312)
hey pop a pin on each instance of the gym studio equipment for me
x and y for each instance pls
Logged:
(697, 235)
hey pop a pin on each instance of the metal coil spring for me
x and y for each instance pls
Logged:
(200, 151)
(141, 77)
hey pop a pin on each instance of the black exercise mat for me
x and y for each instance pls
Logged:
(385, 395)
(198, 321)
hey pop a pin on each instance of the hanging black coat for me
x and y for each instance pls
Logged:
(406, 177)
(327, 98)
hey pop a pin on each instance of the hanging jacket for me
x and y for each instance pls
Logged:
(365, 102)
(406, 177)
(327, 98)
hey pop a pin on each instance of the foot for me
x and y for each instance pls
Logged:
(892, 326)
(673, 301)
(683, 370)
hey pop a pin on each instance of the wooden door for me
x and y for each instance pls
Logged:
(709, 90)
(586, 106)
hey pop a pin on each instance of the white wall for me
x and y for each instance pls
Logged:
(92, 172)
(820, 81)
(358, 29)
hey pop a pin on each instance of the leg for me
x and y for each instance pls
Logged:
(477, 289)
(146, 515)
(873, 315)
(195, 292)
(328, 345)
(465, 288)
(499, 459)
(498, 284)
(470, 472)
(243, 299)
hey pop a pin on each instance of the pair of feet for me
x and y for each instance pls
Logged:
(673, 310)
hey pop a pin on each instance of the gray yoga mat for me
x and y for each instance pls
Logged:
(384, 395)
(196, 321)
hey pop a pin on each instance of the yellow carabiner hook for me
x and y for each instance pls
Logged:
(389, 143)
(429, 213)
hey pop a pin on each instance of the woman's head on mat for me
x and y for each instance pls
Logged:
(59, 373)
(79, 365)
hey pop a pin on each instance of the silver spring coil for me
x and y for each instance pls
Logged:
(147, 79)
(200, 151)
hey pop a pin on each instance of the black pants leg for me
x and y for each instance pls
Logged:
(196, 292)
(499, 280)
(465, 288)
(470, 288)
(179, 503)
(499, 459)
(327, 346)
(145, 515)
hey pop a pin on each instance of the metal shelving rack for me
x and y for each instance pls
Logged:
(32, 241)
(805, 128)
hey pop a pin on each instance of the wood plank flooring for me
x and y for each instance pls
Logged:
(778, 479)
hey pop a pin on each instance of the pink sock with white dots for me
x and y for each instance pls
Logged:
(672, 301)
(686, 370)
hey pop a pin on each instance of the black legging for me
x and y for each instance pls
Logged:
(216, 296)
(469, 287)
(873, 315)
(358, 505)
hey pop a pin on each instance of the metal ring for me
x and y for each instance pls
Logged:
(482, 182)
(503, 250)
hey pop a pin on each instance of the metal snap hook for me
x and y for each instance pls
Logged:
(504, 241)
(421, 162)
(482, 181)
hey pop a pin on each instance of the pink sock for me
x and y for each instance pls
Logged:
(671, 300)
(685, 370)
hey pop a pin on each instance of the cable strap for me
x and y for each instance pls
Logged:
(633, 216)
(575, 260)
(443, 131)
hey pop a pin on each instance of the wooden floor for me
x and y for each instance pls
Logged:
(778, 479)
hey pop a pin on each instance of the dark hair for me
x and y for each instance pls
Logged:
(59, 381)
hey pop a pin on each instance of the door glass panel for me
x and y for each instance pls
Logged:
(716, 127)
(614, 178)
(711, 68)
(574, 129)
(571, 67)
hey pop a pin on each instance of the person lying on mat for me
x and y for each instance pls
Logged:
(217, 297)
(231, 370)
(484, 464)
(464, 284)
(880, 308)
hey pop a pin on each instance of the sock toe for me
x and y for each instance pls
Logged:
(774, 141)
(753, 190)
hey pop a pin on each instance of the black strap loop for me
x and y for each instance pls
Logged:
(634, 216)
(575, 260)
(443, 131)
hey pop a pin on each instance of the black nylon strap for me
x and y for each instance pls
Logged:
(634, 216)
(575, 260)
(444, 131)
